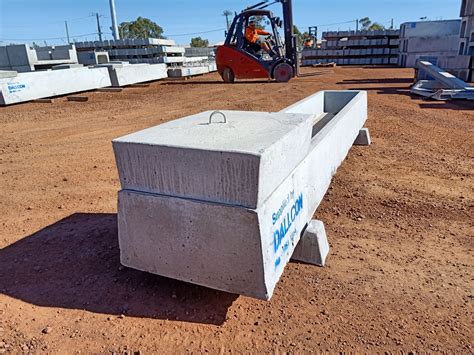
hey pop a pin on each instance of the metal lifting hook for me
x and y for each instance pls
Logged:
(217, 113)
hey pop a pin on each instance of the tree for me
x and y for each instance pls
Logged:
(368, 25)
(227, 13)
(299, 36)
(199, 42)
(140, 28)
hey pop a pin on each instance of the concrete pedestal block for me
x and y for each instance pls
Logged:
(313, 246)
(363, 138)
(221, 200)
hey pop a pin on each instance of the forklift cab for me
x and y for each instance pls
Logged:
(239, 59)
(236, 35)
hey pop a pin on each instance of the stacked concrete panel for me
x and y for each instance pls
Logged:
(466, 43)
(446, 44)
(428, 40)
(150, 51)
(41, 84)
(200, 52)
(23, 58)
(93, 57)
(124, 73)
(221, 199)
(355, 48)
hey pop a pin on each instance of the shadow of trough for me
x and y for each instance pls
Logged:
(75, 264)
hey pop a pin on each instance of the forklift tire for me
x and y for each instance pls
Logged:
(228, 75)
(283, 72)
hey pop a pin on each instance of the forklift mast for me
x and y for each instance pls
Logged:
(290, 40)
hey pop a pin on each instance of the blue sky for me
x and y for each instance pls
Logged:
(25, 21)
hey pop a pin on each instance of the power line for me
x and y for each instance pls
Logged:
(195, 33)
(332, 24)
(46, 39)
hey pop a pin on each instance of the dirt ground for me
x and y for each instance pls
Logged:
(399, 218)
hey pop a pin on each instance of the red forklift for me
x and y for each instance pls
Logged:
(238, 59)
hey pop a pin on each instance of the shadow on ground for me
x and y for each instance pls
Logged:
(460, 105)
(75, 264)
(217, 82)
(385, 90)
(378, 81)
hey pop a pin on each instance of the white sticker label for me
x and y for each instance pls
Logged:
(16, 87)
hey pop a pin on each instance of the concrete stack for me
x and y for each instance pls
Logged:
(428, 40)
(221, 199)
(466, 43)
(149, 51)
(447, 44)
(23, 58)
(355, 48)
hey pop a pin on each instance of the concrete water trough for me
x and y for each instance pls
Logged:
(221, 199)
(42, 84)
(124, 73)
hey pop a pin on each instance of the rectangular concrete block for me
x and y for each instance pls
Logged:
(129, 74)
(212, 162)
(187, 71)
(8, 74)
(224, 245)
(313, 246)
(36, 85)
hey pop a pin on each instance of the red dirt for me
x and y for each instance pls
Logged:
(398, 217)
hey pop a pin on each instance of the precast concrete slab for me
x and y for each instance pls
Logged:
(222, 201)
(93, 57)
(187, 71)
(41, 84)
(8, 74)
(129, 74)
(212, 67)
(66, 66)
(171, 60)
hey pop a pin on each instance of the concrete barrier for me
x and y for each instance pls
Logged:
(221, 199)
(123, 74)
(37, 85)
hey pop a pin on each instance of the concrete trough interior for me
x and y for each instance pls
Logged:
(222, 201)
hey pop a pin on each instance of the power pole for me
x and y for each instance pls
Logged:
(67, 33)
(113, 15)
(357, 25)
(99, 30)
(391, 26)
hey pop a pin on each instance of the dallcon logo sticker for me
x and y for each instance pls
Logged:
(284, 223)
(16, 87)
